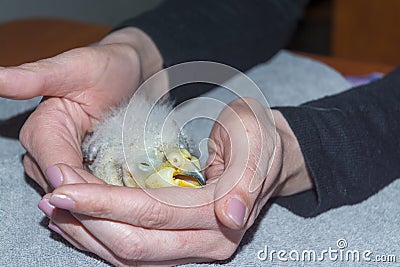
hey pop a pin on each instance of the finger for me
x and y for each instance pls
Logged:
(63, 223)
(137, 243)
(247, 151)
(135, 206)
(82, 75)
(55, 76)
(49, 210)
(62, 174)
(55, 174)
(72, 230)
(54, 227)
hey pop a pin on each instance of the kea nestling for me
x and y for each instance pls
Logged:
(142, 146)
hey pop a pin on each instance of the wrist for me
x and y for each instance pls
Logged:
(294, 176)
(149, 56)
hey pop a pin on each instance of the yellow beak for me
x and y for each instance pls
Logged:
(179, 169)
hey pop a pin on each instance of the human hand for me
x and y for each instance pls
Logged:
(127, 226)
(79, 86)
(255, 155)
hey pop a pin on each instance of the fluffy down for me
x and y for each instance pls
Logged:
(146, 134)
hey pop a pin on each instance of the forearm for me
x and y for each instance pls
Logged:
(350, 143)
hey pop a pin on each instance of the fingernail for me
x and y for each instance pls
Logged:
(55, 228)
(236, 211)
(54, 176)
(62, 202)
(45, 206)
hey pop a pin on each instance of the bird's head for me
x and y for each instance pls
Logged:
(163, 167)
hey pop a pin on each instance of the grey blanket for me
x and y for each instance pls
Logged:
(368, 231)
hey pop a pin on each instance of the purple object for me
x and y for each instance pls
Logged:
(364, 79)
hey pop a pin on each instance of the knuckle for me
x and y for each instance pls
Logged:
(128, 246)
(237, 103)
(25, 135)
(98, 207)
(157, 216)
(224, 253)
(76, 53)
(223, 244)
(27, 162)
(33, 172)
(31, 131)
(244, 109)
(244, 103)
(89, 55)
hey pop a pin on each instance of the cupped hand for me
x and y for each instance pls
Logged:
(128, 226)
(78, 87)
(255, 156)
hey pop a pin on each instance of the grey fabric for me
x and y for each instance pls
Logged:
(286, 80)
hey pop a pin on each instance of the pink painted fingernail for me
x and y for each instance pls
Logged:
(62, 202)
(55, 228)
(54, 176)
(236, 211)
(45, 206)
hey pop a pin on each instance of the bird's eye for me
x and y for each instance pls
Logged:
(175, 158)
(144, 166)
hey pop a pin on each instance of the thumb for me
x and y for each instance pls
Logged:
(247, 151)
(62, 174)
(235, 197)
(48, 77)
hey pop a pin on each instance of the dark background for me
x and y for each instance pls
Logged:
(361, 30)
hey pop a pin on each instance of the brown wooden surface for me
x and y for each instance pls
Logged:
(367, 30)
(30, 40)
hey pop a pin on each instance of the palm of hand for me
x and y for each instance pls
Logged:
(79, 86)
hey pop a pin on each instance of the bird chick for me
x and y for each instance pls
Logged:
(141, 145)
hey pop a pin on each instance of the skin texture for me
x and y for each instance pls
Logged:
(76, 86)
(126, 226)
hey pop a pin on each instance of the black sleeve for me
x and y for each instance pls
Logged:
(351, 144)
(235, 32)
(238, 33)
